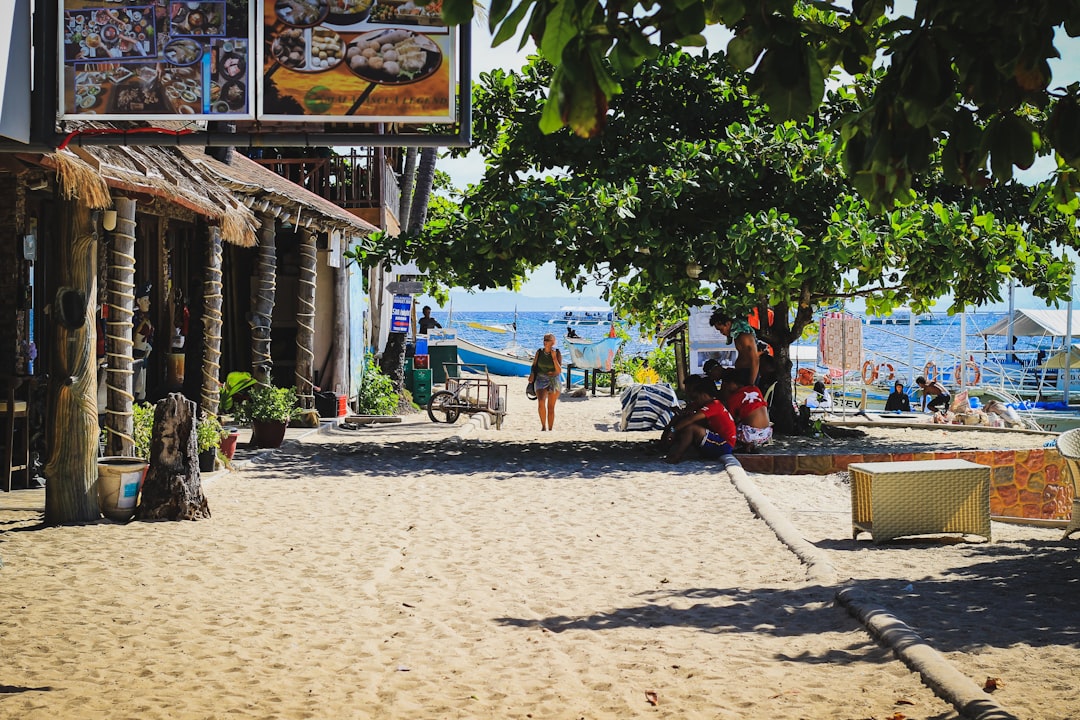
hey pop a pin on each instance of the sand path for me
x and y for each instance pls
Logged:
(401, 572)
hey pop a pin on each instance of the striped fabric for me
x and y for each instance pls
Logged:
(648, 407)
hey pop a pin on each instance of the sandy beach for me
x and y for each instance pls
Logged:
(432, 571)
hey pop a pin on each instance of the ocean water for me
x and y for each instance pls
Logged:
(937, 342)
(531, 328)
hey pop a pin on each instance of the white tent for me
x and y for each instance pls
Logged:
(1029, 322)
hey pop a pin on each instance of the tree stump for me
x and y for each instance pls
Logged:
(173, 486)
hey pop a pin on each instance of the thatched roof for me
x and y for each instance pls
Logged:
(92, 173)
(266, 191)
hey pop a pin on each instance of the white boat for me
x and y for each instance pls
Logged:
(583, 316)
(899, 316)
(498, 362)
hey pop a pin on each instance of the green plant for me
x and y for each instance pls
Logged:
(376, 396)
(235, 390)
(143, 426)
(208, 433)
(269, 403)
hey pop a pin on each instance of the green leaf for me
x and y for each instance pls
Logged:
(498, 11)
(743, 50)
(509, 26)
(727, 12)
(457, 12)
(559, 29)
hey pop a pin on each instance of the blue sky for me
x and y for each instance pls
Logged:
(543, 283)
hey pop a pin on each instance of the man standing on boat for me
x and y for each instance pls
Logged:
(935, 390)
(747, 358)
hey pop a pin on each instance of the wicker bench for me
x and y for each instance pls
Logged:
(919, 497)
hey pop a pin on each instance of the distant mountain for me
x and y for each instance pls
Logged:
(493, 301)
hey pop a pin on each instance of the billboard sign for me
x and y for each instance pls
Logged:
(156, 59)
(356, 61)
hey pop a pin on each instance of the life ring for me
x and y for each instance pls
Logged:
(886, 367)
(930, 371)
(969, 365)
(869, 372)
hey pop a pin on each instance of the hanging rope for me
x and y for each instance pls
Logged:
(263, 307)
(305, 320)
(120, 300)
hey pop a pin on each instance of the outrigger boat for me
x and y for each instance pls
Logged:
(583, 316)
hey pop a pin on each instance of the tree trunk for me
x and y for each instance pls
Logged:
(425, 181)
(262, 304)
(71, 467)
(305, 322)
(408, 180)
(211, 324)
(120, 298)
(173, 486)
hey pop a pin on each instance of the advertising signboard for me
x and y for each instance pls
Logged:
(400, 314)
(356, 61)
(156, 59)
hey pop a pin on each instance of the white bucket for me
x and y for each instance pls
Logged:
(119, 481)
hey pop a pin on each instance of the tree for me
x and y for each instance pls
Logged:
(694, 195)
(415, 210)
(968, 71)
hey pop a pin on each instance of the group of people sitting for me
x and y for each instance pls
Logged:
(718, 421)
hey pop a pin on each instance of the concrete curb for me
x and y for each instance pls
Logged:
(819, 568)
(936, 672)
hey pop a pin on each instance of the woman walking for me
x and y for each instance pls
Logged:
(547, 378)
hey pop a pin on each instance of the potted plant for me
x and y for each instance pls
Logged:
(120, 478)
(269, 409)
(208, 435)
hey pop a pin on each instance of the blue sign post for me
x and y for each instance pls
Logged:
(399, 316)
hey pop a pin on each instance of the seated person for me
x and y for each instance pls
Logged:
(898, 399)
(706, 424)
(713, 370)
(820, 399)
(747, 406)
(572, 333)
(933, 389)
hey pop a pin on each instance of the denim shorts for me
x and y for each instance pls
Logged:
(551, 383)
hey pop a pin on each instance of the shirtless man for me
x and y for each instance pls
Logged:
(935, 390)
(747, 358)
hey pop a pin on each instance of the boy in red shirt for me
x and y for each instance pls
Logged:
(706, 424)
(751, 413)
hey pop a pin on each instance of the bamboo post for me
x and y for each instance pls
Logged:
(262, 304)
(305, 321)
(212, 323)
(119, 302)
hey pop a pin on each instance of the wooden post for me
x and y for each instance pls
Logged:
(305, 321)
(71, 467)
(262, 302)
(119, 301)
(211, 324)
(173, 486)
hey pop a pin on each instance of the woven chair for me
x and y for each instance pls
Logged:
(1068, 444)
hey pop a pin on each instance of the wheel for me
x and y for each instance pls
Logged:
(440, 407)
